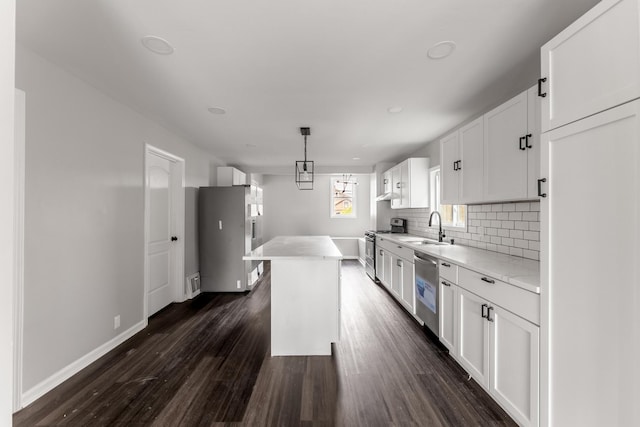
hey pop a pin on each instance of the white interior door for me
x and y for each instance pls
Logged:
(163, 188)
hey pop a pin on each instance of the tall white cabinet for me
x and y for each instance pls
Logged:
(590, 285)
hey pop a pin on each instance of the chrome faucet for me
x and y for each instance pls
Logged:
(441, 234)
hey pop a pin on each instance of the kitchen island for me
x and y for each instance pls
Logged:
(305, 294)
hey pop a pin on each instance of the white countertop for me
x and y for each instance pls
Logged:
(296, 247)
(521, 272)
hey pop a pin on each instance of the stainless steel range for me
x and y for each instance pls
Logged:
(398, 225)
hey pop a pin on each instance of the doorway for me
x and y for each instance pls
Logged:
(164, 230)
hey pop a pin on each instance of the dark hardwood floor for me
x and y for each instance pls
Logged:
(206, 363)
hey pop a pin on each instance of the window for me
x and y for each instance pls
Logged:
(343, 197)
(453, 216)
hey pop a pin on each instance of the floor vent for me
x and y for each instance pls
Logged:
(192, 286)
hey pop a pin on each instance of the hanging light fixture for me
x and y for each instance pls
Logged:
(304, 168)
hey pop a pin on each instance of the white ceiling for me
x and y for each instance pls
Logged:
(333, 65)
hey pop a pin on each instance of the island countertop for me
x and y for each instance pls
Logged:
(296, 247)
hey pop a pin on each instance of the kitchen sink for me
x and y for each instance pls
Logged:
(431, 242)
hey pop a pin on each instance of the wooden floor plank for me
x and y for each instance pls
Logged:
(207, 363)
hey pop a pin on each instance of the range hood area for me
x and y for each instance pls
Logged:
(384, 196)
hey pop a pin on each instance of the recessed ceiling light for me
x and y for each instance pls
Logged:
(157, 45)
(441, 50)
(356, 158)
(217, 110)
(394, 110)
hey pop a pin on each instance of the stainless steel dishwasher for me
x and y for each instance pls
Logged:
(427, 301)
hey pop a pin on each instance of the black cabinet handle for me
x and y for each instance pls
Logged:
(540, 193)
(540, 81)
(444, 264)
(489, 318)
(486, 279)
(459, 162)
(527, 141)
(455, 166)
(446, 284)
(174, 238)
(520, 145)
(381, 252)
(484, 306)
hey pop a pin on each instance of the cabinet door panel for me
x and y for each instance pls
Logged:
(396, 276)
(449, 178)
(473, 340)
(575, 281)
(592, 65)
(405, 185)
(505, 152)
(448, 316)
(380, 265)
(514, 365)
(408, 286)
(472, 155)
(396, 188)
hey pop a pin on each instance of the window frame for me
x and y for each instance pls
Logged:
(434, 195)
(332, 198)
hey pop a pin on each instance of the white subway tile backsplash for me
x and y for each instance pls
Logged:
(515, 216)
(532, 235)
(516, 234)
(524, 244)
(515, 251)
(508, 225)
(508, 228)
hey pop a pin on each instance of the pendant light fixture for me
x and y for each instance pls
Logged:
(304, 168)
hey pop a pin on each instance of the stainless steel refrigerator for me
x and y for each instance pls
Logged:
(229, 226)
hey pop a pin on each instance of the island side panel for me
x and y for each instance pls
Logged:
(305, 306)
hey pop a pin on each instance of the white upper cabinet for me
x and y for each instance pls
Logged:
(511, 149)
(471, 161)
(461, 160)
(410, 184)
(449, 174)
(228, 176)
(583, 70)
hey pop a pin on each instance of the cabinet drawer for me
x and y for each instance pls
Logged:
(395, 248)
(517, 300)
(448, 271)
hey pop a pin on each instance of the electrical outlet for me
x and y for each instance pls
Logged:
(239, 284)
(116, 322)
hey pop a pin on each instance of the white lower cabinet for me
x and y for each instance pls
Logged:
(501, 352)
(514, 365)
(473, 333)
(395, 270)
(448, 316)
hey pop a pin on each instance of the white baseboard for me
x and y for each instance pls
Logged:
(68, 371)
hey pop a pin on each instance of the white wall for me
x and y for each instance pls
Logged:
(289, 211)
(84, 214)
(7, 62)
